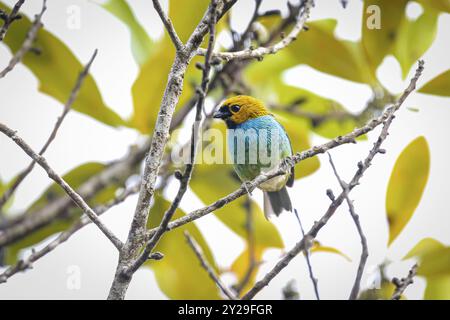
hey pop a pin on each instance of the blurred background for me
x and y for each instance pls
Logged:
(84, 26)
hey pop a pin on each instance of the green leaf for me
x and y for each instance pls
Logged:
(378, 43)
(423, 247)
(439, 86)
(57, 69)
(179, 274)
(415, 38)
(438, 288)
(322, 50)
(75, 178)
(406, 185)
(141, 44)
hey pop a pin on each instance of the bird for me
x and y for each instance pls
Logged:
(248, 121)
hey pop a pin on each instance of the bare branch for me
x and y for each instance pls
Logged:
(362, 167)
(27, 44)
(204, 263)
(186, 177)
(308, 258)
(365, 252)
(62, 183)
(27, 263)
(179, 46)
(260, 52)
(172, 93)
(9, 19)
(73, 95)
(402, 284)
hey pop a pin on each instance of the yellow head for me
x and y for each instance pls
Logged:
(239, 109)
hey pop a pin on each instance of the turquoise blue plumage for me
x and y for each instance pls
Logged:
(257, 142)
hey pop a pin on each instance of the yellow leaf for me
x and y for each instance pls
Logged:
(378, 43)
(406, 185)
(438, 288)
(423, 247)
(179, 274)
(57, 69)
(318, 247)
(322, 50)
(75, 178)
(241, 265)
(438, 86)
(441, 5)
(415, 38)
(435, 263)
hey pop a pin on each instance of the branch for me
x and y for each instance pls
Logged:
(27, 44)
(179, 46)
(172, 93)
(308, 259)
(204, 263)
(260, 52)
(362, 167)
(290, 161)
(186, 177)
(8, 19)
(365, 252)
(73, 95)
(27, 263)
(62, 183)
(402, 284)
(252, 263)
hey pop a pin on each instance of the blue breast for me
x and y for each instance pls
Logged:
(257, 144)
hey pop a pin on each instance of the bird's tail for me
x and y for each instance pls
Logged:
(275, 202)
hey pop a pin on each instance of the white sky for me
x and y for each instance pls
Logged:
(82, 139)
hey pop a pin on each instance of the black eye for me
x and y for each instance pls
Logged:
(235, 108)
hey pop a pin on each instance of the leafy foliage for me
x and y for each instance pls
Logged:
(438, 86)
(179, 273)
(141, 44)
(406, 185)
(57, 68)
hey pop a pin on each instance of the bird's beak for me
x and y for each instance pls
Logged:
(222, 114)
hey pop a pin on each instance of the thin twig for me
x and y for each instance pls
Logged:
(365, 251)
(169, 26)
(73, 95)
(252, 263)
(402, 284)
(27, 263)
(62, 183)
(260, 52)
(362, 167)
(28, 43)
(308, 258)
(9, 19)
(204, 263)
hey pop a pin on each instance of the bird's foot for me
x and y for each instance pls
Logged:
(247, 186)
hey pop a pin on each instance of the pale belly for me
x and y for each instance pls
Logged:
(275, 184)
